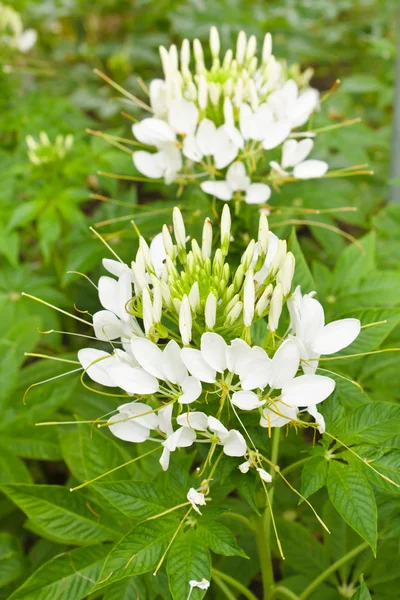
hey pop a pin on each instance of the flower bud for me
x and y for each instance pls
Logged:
(144, 248)
(171, 269)
(225, 228)
(185, 321)
(253, 95)
(202, 92)
(168, 243)
(190, 262)
(238, 99)
(226, 64)
(241, 47)
(286, 272)
(251, 47)
(179, 228)
(206, 244)
(157, 302)
(214, 42)
(218, 263)
(248, 298)
(228, 88)
(185, 54)
(214, 90)
(279, 256)
(166, 294)
(147, 310)
(210, 310)
(173, 59)
(267, 48)
(275, 309)
(139, 278)
(198, 257)
(198, 55)
(263, 233)
(264, 300)
(228, 113)
(164, 55)
(247, 256)
(194, 296)
(234, 314)
(238, 279)
(232, 303)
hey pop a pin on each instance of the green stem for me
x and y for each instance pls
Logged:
(295, 465)
(234, 583)
(334, 567)
(285, 592)
(241, 518)
(263, 529)
(223, 587)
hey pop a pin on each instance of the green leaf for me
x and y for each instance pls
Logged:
(188, 559)
(12, 560)
(126, 589)
(371, 338)
(302, 274)
(63, 515)
(12, 469)
(138, 500)
(303, 552)
(68, 575)
(25, 213)
(362, 593)
(313, 476)
(219, 539)
(139, 551)
(246, 486)
(351, 495)
(353, 264)
(373, 423)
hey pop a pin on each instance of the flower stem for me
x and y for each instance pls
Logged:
(263, 529)
(234, 583)
(284, 592)
(334, 567)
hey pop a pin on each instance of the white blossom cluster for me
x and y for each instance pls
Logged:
(12, 33)
(199, 365)
(43, 151)
(233, 128)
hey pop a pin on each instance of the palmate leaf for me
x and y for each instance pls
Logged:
(139, 551)
(373, 423)
(219, 539)
(313, 476)
(351, 495)
(12, 560)
(12, 469)
(353, 264)
(126, 589)
(68, 575)
(188, 559)
(60, 514)
(138, 500)
(303, 552)
(362, 593)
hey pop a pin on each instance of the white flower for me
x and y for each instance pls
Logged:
(294, 154)
(196, 499)
(319, 419)
(133, 422)
(264, 475)
(222, 144)
(232, 441)
(313, 336)
(237, 181)
(244, 467)
(278, 415)
(288, 105)
(204, 584)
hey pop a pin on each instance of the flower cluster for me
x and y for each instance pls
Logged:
(44, 151)
(195, 347)
(12, 33)
(231, 127)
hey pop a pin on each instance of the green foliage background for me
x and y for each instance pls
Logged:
(58, 545)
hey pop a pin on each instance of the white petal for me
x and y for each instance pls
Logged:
(182, 116)
(142, 414)
(148, 164)
(246, 400)
(196, 420)
(261, 122)
(191, 388)
(307, 390)
(310, 169)
(278, 415)
(108, 294)
(164, 419)
(244, 467)
(304, 106)
(216, 426)
(172, 160)
(258, 193)
(133, 380)
(181, 438)
(164, 458)
(213, 349)
(172, 366)
(235, 444)
(26, 40)
(285, 364)
(205, 137)
(319, 419)
(148, 355)
(129, 431)
(264, 475)
(101, 361)
(275, 134)
(219, 189)
(197, 366)
(236, 177)
(256, 373)
(245, 120)
(191, 149)
(115, 267)
(157, 90)
(158, 254)
(106, 325)
(336, 335)
(236, 354)
(312, 320)
(153, 132)
(225, 150)
(294, 152)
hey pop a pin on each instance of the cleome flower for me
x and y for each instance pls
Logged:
(12, 34)
(221, 126)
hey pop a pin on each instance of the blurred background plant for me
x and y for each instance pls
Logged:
(53, 190)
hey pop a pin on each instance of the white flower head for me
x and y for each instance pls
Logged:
(196, 499)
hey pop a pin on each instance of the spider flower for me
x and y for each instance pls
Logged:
(225, 125)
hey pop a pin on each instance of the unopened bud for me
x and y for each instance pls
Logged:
(185, 321)
(168, 243)
(234, 314)
(147, 310)
(164, 55)
(157, 302)
(238, 279)
(226, 63)
(279, 256)
(214, 90)
(210, 310)
(194, 296)
(241, 47)
(267, 48)
(179, 228)
(225, 229)
(139, 278)
(251, 47)
(264, 300)
(166, 294)
(214, 42)
(218, 263)
(202, 92)
(248, 255)
(248, 298)
(185, 54)
(198, 55)
(198, 257)
(238, 99)
(228, 113)
(275, 310)
(206, 244)
(263, 233)
(232, 303)
(173, 58)
(285, 273)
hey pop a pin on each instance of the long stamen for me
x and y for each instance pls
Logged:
(57, 309)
